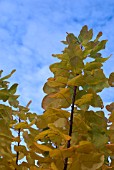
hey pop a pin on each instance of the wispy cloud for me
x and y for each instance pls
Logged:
(30, 31)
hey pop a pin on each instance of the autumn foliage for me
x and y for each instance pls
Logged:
(73, 132)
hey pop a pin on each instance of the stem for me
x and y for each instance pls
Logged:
(71, 125)
(19, 132)
(17, 156)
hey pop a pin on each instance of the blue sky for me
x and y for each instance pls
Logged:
(31, 31)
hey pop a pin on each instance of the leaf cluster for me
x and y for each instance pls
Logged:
(69, 135)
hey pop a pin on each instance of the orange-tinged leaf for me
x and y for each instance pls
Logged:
(16, 139)
(20, 149)
(98, 36)
(110, 147)
(34, 168)
(50, 102)
(47, 89)
(110, 107)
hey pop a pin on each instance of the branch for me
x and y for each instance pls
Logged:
(17, 155)
(71, 125)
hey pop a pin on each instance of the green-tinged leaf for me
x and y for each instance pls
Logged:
(85, 99)
(97, 101)
(13, 101)
(8, 76)
(85, 35)
(86, 147)
(51, 115)
(71, 39)
(100, 140)
(100, 59)
(63, 56)
(60, 69)
(91, 161)
(4, 95)
(98, 87)
(1, 71)
(95, 56)
(111, 79)
(94, 77)
(64, 42)
(111, 117)
(21, 125)
(76, 64)
(13, 88)
(61, 122)
(99, 46)
(92, 65)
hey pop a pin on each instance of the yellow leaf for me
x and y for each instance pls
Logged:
(23, 125)
(85, 99)
(63, 93)
(42, 147)
(57, 82)
(53, 166)
(76, 81)
(61, 122)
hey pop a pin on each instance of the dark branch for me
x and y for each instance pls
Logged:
(71, 125)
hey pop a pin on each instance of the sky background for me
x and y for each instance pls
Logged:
(31, 31)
